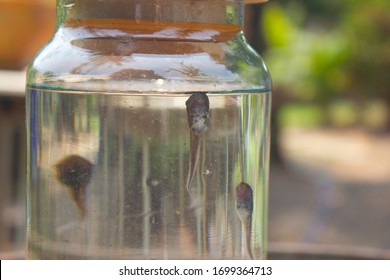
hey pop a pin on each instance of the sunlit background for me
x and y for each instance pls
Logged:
(330, 159)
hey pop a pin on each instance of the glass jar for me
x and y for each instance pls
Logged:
(148, 134)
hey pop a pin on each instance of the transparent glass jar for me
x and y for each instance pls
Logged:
(148, 134)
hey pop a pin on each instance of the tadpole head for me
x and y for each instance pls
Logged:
(244, 197)
(198, 111)
(74, 171)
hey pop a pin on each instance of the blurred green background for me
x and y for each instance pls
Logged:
(330, 61)
(330, 155)
(330, 159)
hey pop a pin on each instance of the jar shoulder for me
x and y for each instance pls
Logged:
(131, 64)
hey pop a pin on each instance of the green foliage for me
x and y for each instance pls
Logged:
(300, 115)
(281, 32)
(307, 62)
(368, 27)
(324, 51)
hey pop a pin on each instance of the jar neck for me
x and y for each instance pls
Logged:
(182, 11)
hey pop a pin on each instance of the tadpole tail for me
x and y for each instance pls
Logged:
(195, 143)
(247, 225)
(79, 197)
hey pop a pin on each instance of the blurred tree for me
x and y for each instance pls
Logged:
(255, 34)
(326, 50)
(367, 27)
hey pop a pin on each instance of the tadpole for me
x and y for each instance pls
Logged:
(198, 116)
(75, 172)
(244, 209)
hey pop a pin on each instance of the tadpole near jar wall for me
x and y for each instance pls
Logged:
(198, 116)
(75, 172)
(244, 209)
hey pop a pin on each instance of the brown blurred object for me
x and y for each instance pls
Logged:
(25, 26)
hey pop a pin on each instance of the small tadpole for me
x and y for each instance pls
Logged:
(244, 209)
(198, 115)
(75, 172)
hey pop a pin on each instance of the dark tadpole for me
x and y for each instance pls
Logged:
(244, 209)
(198, 115)
(75, 172)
